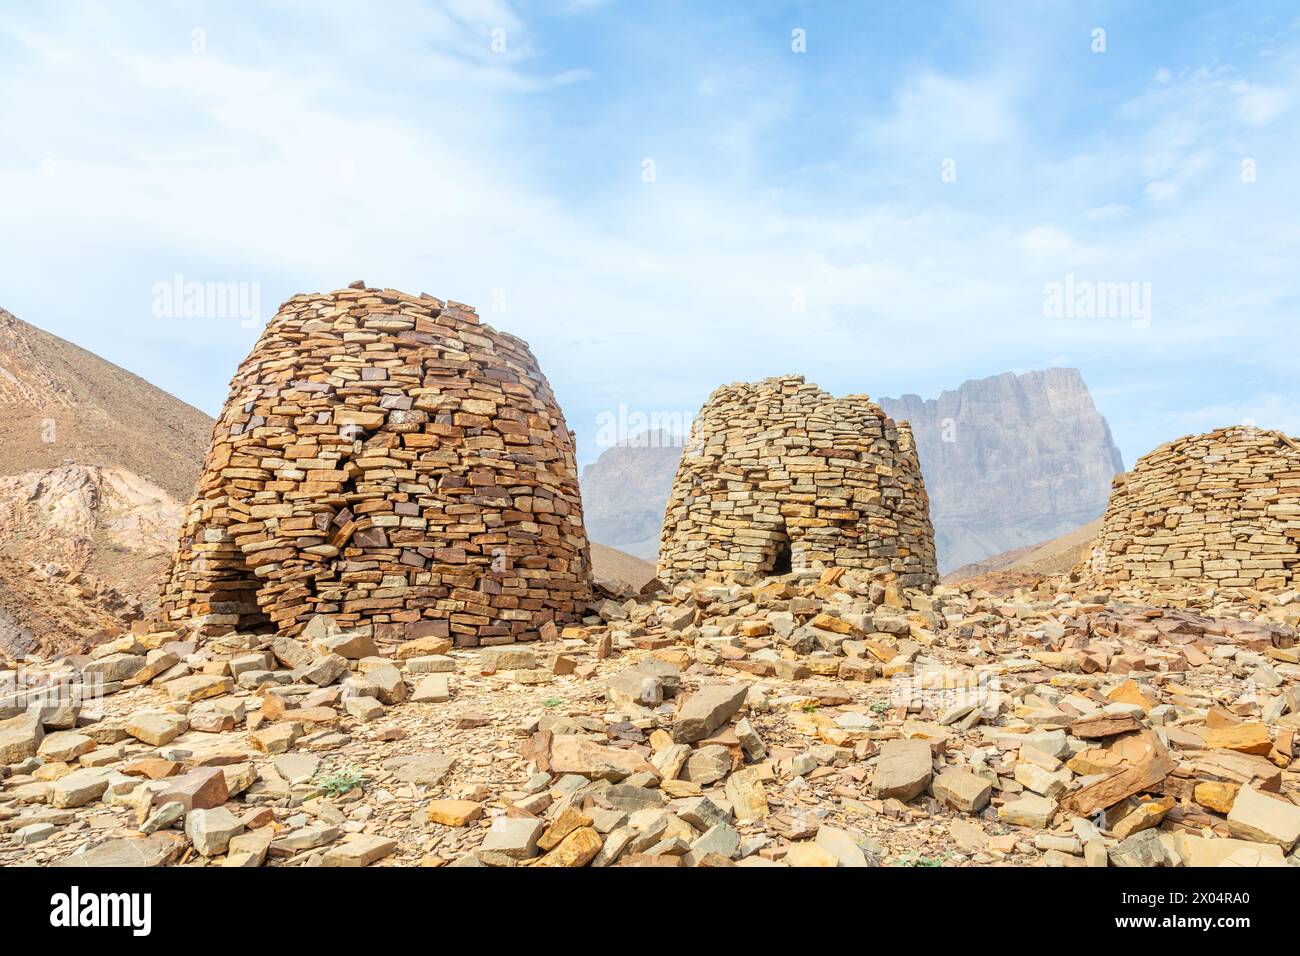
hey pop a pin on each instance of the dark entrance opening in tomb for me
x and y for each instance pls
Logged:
(781, 563)
(779, 557)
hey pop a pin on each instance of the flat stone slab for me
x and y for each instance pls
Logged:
(1265, 819)
(360, 849)
(903, 769)
(1030, 810)
(516, 837)
(571, 753)
(296, 767)
(427, 769)
(962, 790)
(156, 850)
(432, 689)
(706, 710)
(20, 737)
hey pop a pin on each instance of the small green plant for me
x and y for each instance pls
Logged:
(552, 702)
(338, 782)
(810, 707)
(915, 859)
(879, 706)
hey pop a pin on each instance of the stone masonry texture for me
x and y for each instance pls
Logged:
(1221, 508)
(779, 473)
(389, 461)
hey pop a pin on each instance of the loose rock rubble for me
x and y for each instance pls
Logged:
(828, 717)
(778, 475)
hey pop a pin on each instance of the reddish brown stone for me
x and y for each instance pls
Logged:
(200, 789)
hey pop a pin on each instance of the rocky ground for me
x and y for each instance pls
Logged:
(820, 719)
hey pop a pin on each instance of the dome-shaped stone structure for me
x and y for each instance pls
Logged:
(387, 460)
(779, 474)
(1221, 508)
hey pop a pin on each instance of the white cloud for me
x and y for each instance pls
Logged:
(933, 110)
(1047, 240)
(1258, 105)
(415, 162)
(1110, 212)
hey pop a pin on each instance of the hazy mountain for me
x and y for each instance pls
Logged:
(625, 492)
(1010, 461)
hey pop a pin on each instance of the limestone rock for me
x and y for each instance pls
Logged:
(360, 849)
(747, 795)
(962, 790)
(571, 753)
(155, 728)
(515, 837)
(65, 745)
(20, 737)
(454, 813)
(903, 769)
(706, 710)
(1265, 819)
(210, 830)
(1030, 810)
(578, 848)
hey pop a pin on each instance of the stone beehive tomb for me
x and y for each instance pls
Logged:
(779, 474)
(1221, 508)
(386, 460)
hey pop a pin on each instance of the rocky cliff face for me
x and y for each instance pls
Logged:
(82, 549)
(625, 491)
(1010, 460)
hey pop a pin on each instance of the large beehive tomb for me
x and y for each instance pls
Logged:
(387, 460)
(778, 475)
(1221, 508)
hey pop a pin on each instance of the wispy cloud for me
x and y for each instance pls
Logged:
(658, 209)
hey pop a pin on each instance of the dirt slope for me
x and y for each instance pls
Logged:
(616, 568)
(60, 403)
(95, 468)
(1056, 556)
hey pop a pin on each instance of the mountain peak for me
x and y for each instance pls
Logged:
(1010, 460)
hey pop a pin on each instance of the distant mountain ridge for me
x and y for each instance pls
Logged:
(1010, 460)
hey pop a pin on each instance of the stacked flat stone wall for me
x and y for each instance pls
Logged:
(390, 461)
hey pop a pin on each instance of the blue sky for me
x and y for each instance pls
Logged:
(798, 218)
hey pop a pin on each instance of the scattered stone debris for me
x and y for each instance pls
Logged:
(825, 717)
